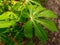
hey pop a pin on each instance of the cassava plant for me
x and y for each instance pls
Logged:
(24, 19)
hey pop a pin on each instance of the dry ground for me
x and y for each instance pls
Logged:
(54, 38)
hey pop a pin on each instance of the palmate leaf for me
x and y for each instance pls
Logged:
(31, 13)
(39, 11)
(40, 32)
(48, 24)
(36, 12)
(28, 29)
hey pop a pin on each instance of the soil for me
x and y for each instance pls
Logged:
(54, 37)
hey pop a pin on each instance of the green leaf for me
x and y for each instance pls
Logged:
(47, 14)
(11, 42)
(31, 42)
(48, 24)
(25, 13)
(35, 9)
(5, 15)
(5, 24)
(2, 30)
(34, 2)
(31, 8)
(37, 1)
(13, 16)
(28, 32)
(16, 6)
(8, 15)
(7, 19)
(40, 33)
(38, 9)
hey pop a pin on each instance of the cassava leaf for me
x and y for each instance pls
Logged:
(5, 24)
(40, 33)
(5, 15)
(38, 9)
(7, 19)
(28, 29)
(16, 6)
(35, 9)
(31, 18)
(8, 15)
(48, 24)
(25, 13)
(47, 14)
(31, 8)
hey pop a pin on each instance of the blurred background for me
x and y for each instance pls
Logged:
(54, 5)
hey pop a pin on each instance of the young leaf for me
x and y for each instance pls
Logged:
(28, 29)
(48, 24)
